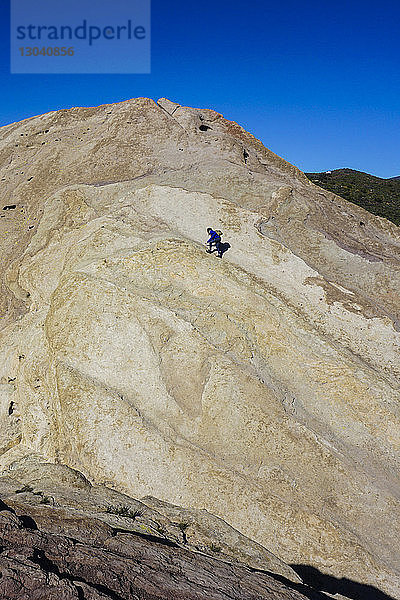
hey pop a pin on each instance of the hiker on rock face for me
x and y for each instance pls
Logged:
(215, 239)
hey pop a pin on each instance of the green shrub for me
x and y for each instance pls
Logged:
(124, 511)
(26, 488)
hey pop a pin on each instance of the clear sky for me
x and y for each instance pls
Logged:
(318, 82)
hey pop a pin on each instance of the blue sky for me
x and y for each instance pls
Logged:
(317, 82)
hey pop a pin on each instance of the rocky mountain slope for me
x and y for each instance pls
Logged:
(262, 388)
(46, 564)
(377, 195)
(62, 538)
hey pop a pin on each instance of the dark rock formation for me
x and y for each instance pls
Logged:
(39, 563)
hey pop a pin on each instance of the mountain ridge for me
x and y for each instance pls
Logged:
(378, 195)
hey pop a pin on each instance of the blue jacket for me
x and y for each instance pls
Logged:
(214, 237)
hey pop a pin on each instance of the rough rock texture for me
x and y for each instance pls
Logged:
(52, 554)
(263, 387)
(61, 488)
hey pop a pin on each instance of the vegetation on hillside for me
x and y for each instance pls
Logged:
(378, 196)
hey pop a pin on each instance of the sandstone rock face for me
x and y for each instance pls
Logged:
(55, 491)
(53, 554)
(262, 387)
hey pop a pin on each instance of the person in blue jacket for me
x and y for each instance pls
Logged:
(215, 240)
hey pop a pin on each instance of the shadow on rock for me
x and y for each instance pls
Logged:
(223, 247)
(332, 585)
